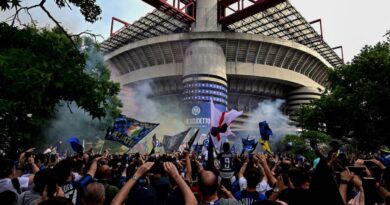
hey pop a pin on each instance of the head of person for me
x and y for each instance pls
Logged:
(103, 172)
(94, 194)
(226, 147)
(41, 179)
(253, 177)
(40, 159)
(7, 168)
(208, 183)
(298, 178)
(63, 172)
(8, 197)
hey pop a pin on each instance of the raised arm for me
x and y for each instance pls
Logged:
(263, 162)
(188, 174)
(242, 170)
(345, 177)
(35, 169)
(188, 196)
(121, 196)
(93, 168)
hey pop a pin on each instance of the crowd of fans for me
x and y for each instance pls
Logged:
(335, 178)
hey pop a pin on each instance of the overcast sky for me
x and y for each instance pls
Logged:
(350, 23)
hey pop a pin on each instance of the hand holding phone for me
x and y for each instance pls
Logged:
(358, 170)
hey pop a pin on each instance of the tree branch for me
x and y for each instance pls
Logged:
(87, 32)
(56, 22)
(16, 16)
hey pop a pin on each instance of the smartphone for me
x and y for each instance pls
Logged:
(338, 177)
(370, 194)
(360, 171)
(285, 179)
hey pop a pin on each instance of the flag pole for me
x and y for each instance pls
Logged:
(101, 149)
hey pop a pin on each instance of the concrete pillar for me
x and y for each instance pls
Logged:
(299, 97)
(204, 77)
(206, 16)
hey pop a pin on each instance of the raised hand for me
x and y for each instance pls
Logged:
(170, 168)
(141, 171)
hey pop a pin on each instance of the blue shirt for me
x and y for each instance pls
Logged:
(247, 198)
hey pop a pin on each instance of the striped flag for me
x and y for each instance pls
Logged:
(221, 121)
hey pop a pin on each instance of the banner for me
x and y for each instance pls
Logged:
(172, 143)
(128, 131)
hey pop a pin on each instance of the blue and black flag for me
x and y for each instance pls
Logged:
(265, 133)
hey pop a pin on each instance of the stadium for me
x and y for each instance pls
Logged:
(237, 52)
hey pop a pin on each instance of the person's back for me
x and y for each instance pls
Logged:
(250, 194)
(104, 177)
(208, 185)
(142, 195)
(10, 185)
(226, 170)
(72, 189)
(41, 180)
(8, 197)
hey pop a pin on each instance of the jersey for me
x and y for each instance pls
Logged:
(73, 190)
(248, 198)
(226, 162)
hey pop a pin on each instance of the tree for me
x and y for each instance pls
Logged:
(38, 69)
(357, 102)
(300, 144)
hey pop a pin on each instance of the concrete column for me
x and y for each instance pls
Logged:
(206, 16)
(299, 97)
(204, 77)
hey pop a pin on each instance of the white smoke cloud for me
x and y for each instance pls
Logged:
(271, 111)
(73, 121)
(138, 104)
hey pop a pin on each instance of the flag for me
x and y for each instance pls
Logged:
(249, 145)
(172, 143)
(192, 139)
(265, 130)
(265, 133)
(233, 149)
(221, 121)
(155, 142)
(210, 154)
(128, 131)
(75, 144)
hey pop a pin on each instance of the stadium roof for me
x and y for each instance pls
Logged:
(281, 21)
(153, 24)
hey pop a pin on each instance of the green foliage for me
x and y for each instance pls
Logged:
(88, 8)
(357, 105)
(301, 143)
(38, 69)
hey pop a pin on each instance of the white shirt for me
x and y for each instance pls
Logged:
(6, 184)
(261, 187)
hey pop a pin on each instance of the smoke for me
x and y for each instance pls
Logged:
(271, 111)
(73, 121)
(138, 104)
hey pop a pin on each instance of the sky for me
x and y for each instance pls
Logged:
(349, 23)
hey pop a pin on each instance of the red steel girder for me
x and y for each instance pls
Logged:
(113, 20)
(256, 7)
(175, 10)
(226, 3)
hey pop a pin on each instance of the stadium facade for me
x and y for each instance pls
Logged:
(237, 52)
